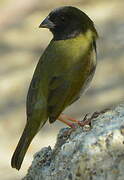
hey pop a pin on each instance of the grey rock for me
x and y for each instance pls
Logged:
(95, 153)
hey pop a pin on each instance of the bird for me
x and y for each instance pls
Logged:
(63, 73)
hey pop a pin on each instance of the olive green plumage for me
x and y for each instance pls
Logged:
(63, 72)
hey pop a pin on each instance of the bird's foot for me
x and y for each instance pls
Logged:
(74, 123)
(87, 120)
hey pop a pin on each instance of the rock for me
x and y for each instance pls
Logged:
(95, 153)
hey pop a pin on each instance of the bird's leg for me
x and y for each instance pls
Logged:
(86, 121)
(61, 118)
(69, 118)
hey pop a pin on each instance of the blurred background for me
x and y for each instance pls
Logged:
(21, 45)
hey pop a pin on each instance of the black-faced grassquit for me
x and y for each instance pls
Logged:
(63, 72)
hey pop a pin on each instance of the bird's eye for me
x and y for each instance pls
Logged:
(62, 18)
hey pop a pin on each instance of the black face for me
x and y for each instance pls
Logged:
(67, 22)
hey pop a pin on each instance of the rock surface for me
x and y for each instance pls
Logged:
(95, 153)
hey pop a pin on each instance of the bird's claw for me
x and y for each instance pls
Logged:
(87, 120)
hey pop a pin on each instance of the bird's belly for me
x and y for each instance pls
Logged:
(84, 85)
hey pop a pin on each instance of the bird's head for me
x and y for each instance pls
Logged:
(67, 22)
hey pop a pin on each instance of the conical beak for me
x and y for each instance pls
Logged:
(47, 23)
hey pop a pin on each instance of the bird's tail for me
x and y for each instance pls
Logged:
(22, 147)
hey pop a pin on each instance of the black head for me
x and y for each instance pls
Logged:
(67, 22)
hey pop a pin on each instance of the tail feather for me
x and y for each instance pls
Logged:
(22, 148)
